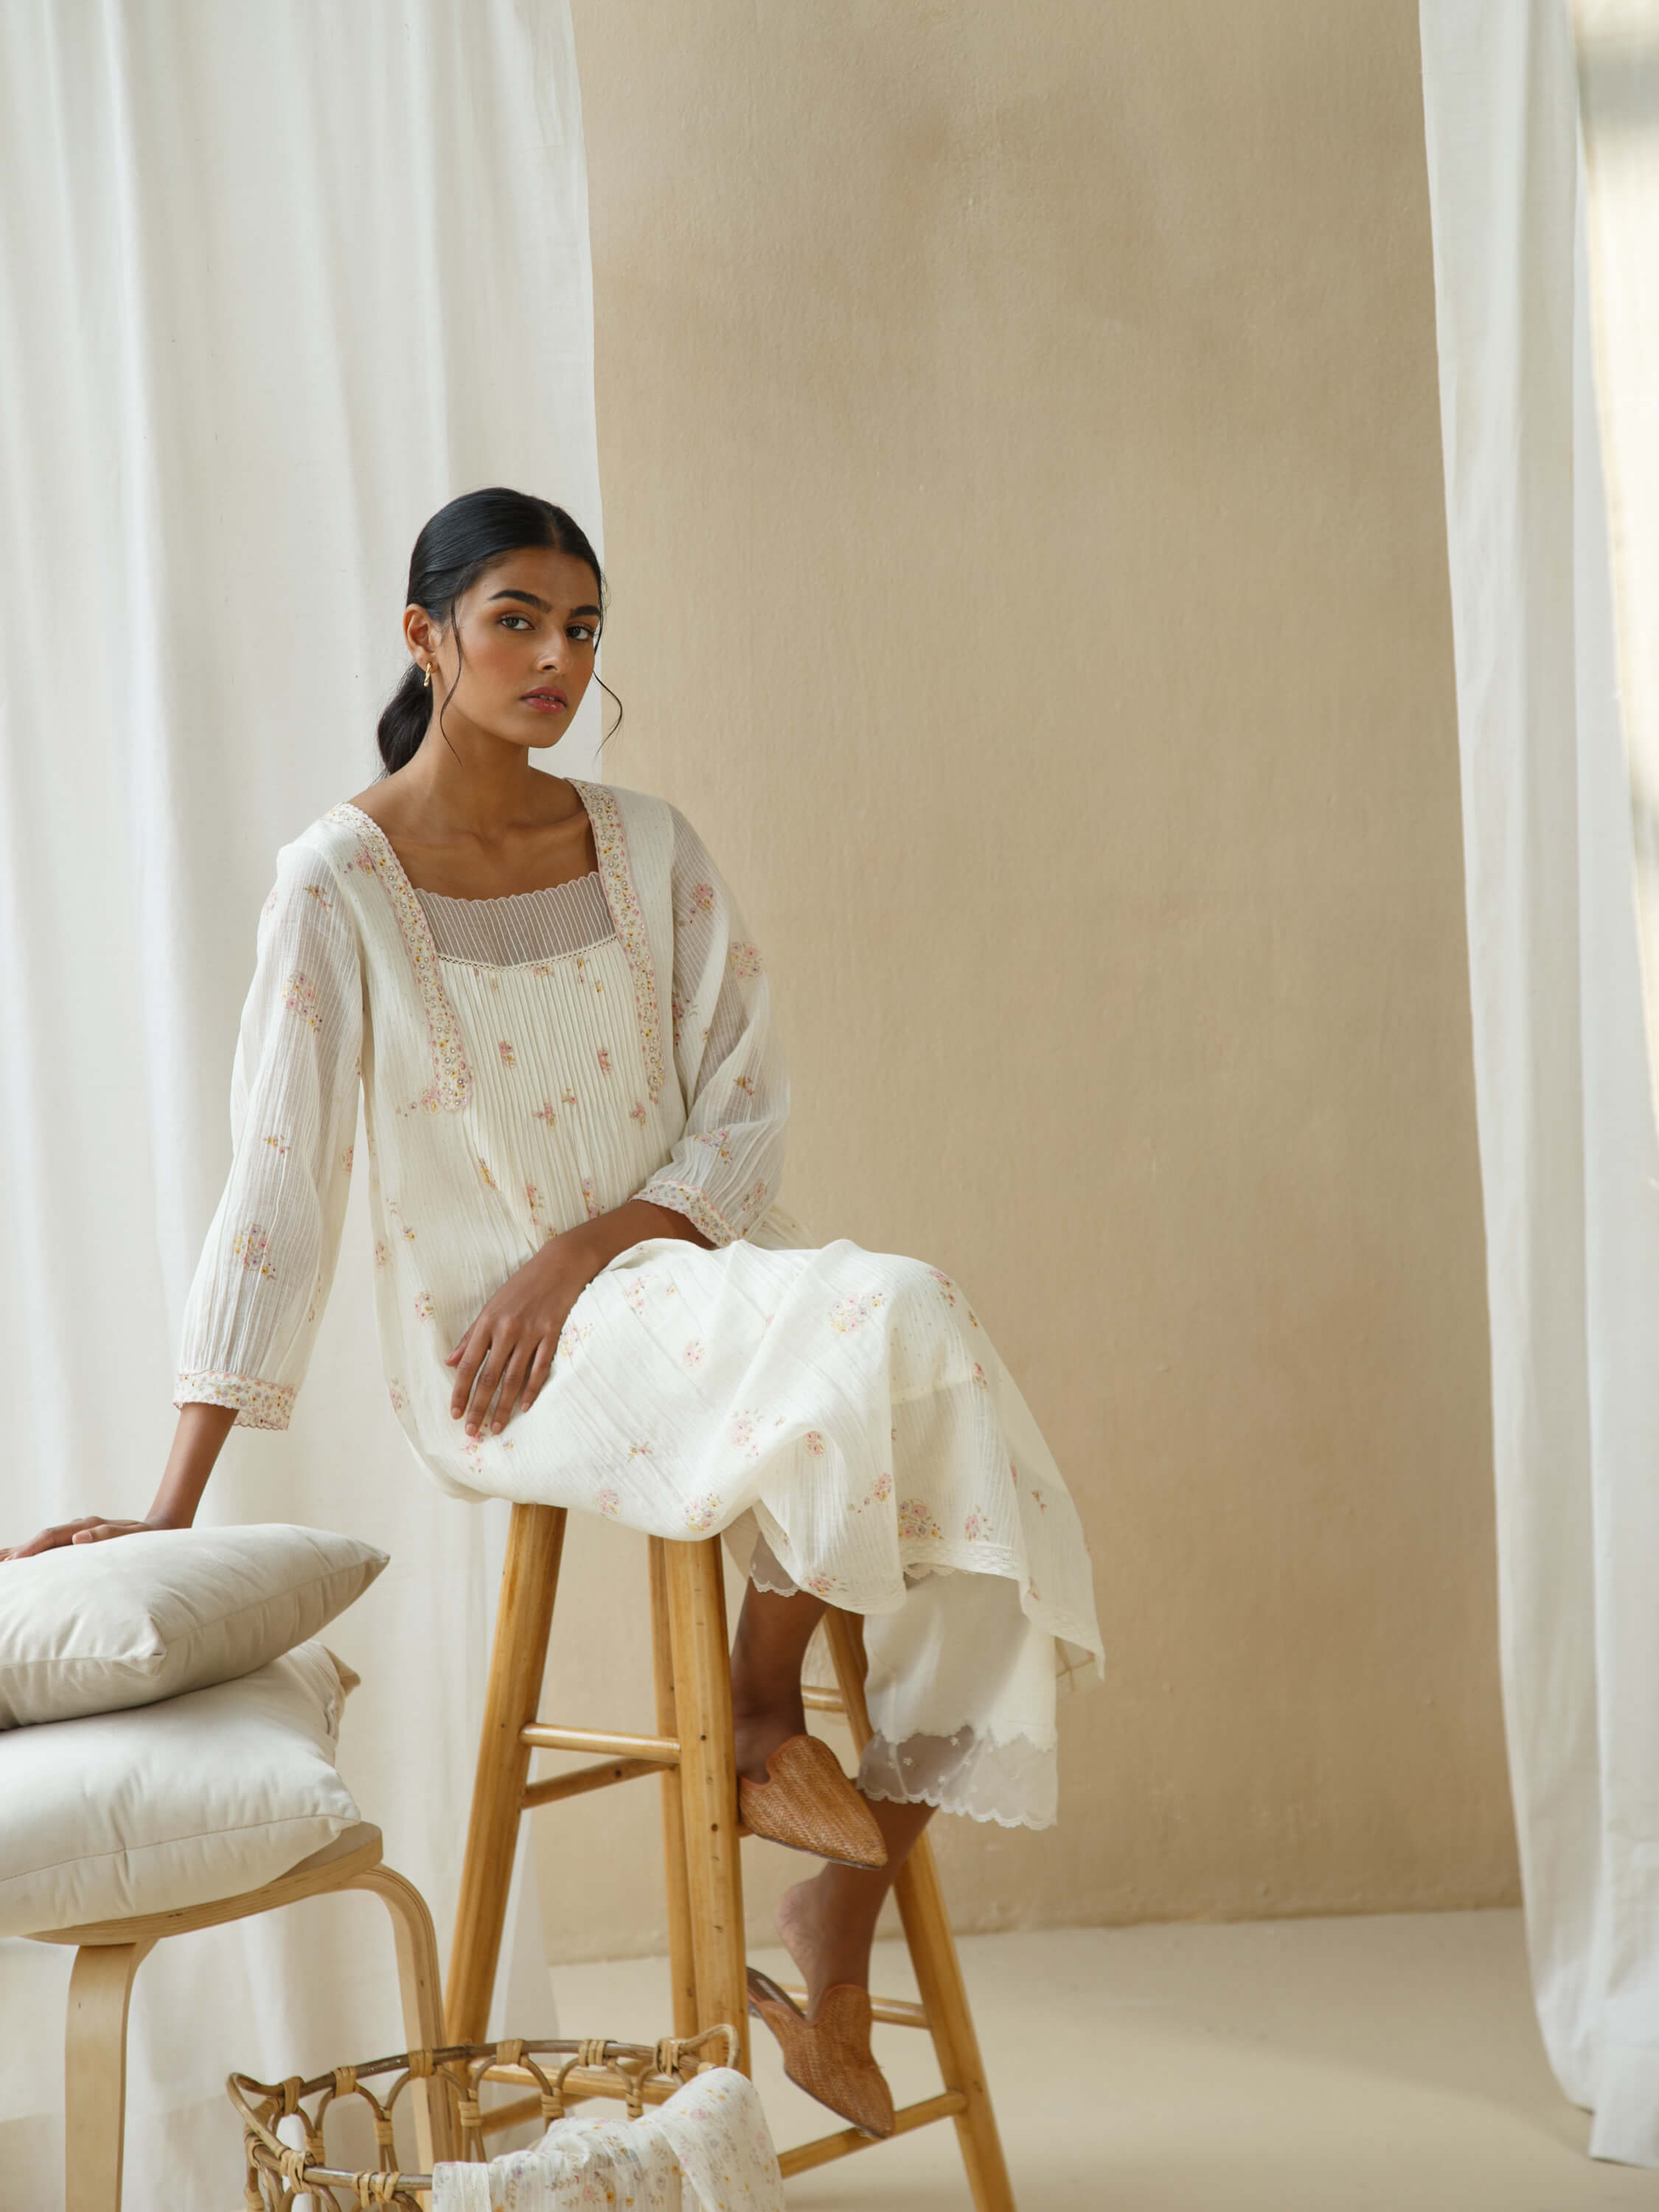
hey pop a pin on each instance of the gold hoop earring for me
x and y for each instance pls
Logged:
(428, 686)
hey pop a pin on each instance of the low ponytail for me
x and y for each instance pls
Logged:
(453, 551)
(403, 719)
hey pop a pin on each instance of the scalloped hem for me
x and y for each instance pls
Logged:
(1014, 1783)
(941, 1802)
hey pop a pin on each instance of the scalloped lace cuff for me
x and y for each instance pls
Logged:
(258, 1404)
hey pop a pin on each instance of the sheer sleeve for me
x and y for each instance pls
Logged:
(251, 1317)
(724, 1170)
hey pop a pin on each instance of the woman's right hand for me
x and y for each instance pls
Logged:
(201, 1431)
(90, 1529)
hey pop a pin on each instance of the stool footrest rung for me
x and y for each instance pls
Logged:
(897, 2012)
(585, 1778)
(548, 1735)
(822, 2149)
(822, 1701)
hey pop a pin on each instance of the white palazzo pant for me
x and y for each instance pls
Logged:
(842, 1418)
(961, 1691)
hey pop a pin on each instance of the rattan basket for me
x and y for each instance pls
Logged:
(278, 2173)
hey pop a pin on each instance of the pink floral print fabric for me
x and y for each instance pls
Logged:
(708, 2149)
(842, 1407)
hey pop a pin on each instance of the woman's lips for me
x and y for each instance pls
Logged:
(545, 702)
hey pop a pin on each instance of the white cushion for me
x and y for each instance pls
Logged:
(196, 1798)
(92, 1628)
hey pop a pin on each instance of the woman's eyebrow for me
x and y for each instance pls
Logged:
(531, 600)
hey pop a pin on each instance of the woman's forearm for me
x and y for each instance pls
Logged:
(202, 1429)
(196, 1442)
(631, 1223)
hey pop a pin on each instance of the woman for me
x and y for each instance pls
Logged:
(586, 1292)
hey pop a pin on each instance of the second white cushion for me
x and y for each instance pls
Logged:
(178, 1803)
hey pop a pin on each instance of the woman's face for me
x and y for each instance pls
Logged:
(527, 628)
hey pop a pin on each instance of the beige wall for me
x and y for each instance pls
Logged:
(1023, 509)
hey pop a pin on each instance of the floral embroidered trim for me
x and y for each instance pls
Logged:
(684, 1198)
(260, 1405)
(452, 1079)
(616, 881)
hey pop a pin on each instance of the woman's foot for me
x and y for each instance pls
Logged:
(829, 2057)
(807, 1802)
(828, 1943)
(829, 1923)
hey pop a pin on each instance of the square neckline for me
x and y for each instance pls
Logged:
(621, 895)
(495, 898)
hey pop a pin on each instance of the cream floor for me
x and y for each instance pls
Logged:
(1282, 2066)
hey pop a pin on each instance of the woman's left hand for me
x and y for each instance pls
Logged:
(507, 1353)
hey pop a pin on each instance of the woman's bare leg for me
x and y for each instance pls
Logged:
(773, 1634)
(829, 1923)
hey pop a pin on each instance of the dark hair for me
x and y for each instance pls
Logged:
(453, 551)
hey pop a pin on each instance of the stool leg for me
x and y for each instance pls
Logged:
(709, 1784)
(518, 1660)
(932, 1950)
(682, 1966)
(421, 1988)
(96, 2072)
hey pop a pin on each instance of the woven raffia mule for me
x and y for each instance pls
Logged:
(829, 2056)
(808, 1803)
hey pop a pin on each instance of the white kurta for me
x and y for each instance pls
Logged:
(520, 1074)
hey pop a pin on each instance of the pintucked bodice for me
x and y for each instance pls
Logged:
(528, 1062)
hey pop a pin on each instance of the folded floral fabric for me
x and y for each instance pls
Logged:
(723, 2146)
(708, 2149)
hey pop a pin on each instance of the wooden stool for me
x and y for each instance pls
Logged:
(692, 1752)
(111, 1951)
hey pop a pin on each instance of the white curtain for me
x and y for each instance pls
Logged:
(275, 283)
(1543, 277)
